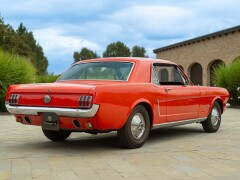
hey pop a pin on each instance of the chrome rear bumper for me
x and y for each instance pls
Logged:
(67, 112)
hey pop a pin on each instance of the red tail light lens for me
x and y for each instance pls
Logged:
(85, 102)
(13, 99)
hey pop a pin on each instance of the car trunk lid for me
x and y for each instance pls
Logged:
(61, 94)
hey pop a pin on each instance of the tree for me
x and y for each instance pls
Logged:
(76, 56)
(8, 38)
(117, 49)
(31, 49)
(138, 51)
(22, 42)
(84, 54)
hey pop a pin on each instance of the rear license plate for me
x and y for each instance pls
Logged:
(50, 121)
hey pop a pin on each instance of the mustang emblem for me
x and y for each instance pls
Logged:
(47, 99)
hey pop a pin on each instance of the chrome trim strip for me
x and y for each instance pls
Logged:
(178, 123)
(158, 107)
(67, 112)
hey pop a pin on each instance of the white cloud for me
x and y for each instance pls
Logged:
(62, 27)
(59, 47)
(152, 18)
(54, 40)
(150, 13)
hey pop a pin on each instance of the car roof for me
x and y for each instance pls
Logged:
(127, 59)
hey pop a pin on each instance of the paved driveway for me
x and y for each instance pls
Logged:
(183, 152)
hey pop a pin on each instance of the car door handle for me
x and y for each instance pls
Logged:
(168, 89)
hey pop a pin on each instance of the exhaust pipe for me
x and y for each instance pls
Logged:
(28, 120)
(76, 123)
(19, 119)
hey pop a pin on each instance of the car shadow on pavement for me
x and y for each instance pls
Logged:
(80, 144)
(167, 134)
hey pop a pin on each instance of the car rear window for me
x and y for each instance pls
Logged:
(99, 71)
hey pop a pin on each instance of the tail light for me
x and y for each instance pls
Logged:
(14, 99)
(85, 102)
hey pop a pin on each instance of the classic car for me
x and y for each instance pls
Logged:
(127, 95)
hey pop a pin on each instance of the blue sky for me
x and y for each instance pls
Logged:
(62, 27)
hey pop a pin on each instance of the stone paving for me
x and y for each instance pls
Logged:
(183, 152)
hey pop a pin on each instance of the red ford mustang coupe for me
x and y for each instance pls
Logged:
(127, 95)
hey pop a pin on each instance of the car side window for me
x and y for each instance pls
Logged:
(168, 74)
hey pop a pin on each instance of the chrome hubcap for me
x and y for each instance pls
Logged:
(215, 116)
(137, 126)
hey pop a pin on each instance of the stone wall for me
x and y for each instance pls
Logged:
(225, 47)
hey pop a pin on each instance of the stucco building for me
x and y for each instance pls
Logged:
(200, 55)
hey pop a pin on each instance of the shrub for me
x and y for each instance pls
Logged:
(47, 79)
(229, 78)
(14, 70)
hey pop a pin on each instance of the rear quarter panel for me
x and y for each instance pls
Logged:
(117, 102)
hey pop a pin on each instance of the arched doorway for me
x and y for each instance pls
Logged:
(212, 66)
(196, 73)
(236, 59)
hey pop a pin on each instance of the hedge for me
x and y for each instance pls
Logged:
(14, 69)
(47, 79)
(229, 78)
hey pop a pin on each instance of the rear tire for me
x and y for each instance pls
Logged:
(56, 135)
(212, 123)
(136, 130)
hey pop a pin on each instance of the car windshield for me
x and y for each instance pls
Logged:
(98, 71)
